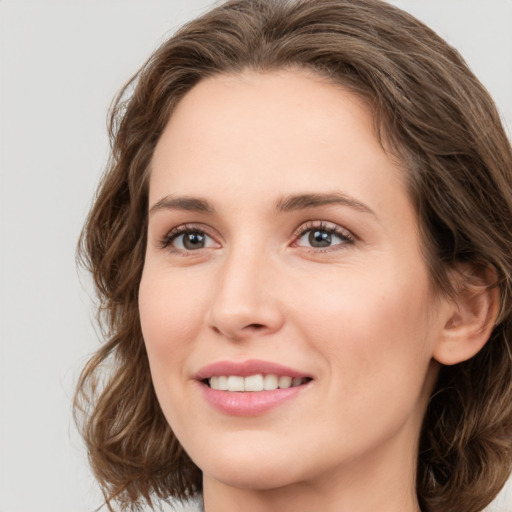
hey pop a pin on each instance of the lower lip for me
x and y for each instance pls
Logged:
(249, 403)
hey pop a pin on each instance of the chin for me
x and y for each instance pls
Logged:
(246, 477)
(250, 469)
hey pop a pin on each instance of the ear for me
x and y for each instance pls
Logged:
(470, 318)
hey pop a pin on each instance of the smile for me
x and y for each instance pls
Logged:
(254, 383)
(250, 388)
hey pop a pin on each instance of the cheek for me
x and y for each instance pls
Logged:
(371, 326)
(169, 320)
(373, 335)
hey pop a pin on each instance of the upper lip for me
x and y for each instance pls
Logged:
(246, 368)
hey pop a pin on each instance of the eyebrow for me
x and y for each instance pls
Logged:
(289, 203)
(192, 204)
(303, 201)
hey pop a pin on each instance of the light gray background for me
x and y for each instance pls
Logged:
(61, 62)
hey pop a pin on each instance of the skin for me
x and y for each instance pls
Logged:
(359, 316)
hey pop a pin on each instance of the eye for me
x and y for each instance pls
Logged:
(323, 236)
(191, 240)
(186, 239)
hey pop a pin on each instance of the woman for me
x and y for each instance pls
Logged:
(303, 249)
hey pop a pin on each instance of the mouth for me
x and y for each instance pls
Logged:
(254, 383)
(250, 388)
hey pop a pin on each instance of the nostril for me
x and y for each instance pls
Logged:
(256, 327)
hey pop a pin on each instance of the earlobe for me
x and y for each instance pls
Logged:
(470, 319)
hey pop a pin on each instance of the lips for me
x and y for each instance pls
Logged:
(251, 387)
(246, 369)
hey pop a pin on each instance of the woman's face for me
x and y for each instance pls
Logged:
(283, 249)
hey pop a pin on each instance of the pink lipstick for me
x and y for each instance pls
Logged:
(250, 388)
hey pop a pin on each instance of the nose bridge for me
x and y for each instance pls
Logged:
(244, 301)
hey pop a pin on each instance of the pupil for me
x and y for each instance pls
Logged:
(193, 241)
(320, 238)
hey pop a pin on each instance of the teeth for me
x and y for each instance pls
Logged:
(270, 382)
(285, 382)
(254, 383)
(235, 383)
(220, 383)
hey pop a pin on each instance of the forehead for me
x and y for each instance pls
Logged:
(267, 132)
(277, 106)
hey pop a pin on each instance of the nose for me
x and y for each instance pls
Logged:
(245, 303)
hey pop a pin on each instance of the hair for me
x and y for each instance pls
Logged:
(442, 125)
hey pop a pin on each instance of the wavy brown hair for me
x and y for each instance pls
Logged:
(434, 116)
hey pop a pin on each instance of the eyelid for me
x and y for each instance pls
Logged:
(166, 241)
(323, 225)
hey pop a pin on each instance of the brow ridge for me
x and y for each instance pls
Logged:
(312, 200)
(288, 203)
(193, 204)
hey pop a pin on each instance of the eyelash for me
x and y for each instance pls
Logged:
(331, 229)
(171, 236)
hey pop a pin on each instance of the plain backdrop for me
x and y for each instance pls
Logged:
(61, 62)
